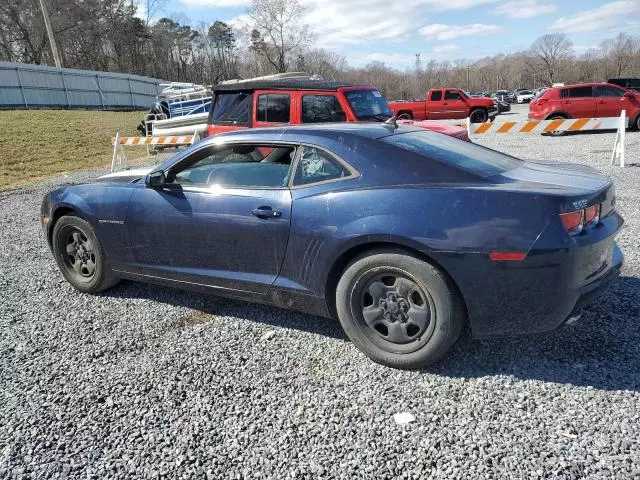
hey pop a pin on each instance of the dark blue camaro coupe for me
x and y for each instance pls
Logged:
(402, 234)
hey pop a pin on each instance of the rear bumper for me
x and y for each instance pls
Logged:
(542, 292)
(592, 291)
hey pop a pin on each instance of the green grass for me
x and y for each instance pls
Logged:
(36, 144)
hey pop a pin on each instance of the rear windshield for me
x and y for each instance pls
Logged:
(231, 108)
(368, 104)
(451, 151)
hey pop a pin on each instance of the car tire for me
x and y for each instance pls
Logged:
(556, 133)
(478, 116)
(401, 311)
(637, 123)
(80, 256)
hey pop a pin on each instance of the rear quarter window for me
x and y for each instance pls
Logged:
(231, 108)
(467, 156)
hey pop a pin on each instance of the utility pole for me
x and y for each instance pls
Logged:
(52, 41)
(418, 64)
(468, 87)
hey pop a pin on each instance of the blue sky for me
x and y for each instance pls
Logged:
(393, 31)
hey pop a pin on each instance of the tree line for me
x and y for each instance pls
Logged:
(108, 35)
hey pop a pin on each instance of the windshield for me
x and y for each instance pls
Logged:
(451, 151)
(466, 94)
(368, 104)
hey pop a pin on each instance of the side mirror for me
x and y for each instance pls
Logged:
(155, 179)
(628, 95)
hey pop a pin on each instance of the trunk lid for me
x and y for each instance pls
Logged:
(566, 178)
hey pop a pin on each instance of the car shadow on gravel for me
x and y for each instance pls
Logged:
(218, 306)
(602, 350)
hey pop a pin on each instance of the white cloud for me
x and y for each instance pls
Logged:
(217, 3)
(438, 31)
(444, 49)
(456, 4)
(609, 15)
(359, 22)
(524, 9)
(392, 59)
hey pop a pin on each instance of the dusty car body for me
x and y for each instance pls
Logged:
(402, 234)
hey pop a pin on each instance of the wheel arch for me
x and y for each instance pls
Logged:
(557, 114)
(405, 112)
(57, 214)
(343, 260)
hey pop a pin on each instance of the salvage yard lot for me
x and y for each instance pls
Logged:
(148, 382)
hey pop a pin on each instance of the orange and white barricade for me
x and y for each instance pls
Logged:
(546, 126)
(560, 125)
(119, 156)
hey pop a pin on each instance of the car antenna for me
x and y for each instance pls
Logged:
(392, 122)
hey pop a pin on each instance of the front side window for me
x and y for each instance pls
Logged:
(273, 107)
(316, 165)
(321, 109)
(577, 92)
(607, 91)
(242, 166)
(231, 108)
(451, 95)
(368, 104)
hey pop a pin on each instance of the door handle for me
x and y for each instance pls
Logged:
(266, 212)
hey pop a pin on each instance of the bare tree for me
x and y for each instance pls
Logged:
(278, 31)
(551, 51)
(620, 50)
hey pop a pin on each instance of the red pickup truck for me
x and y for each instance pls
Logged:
(269, 103)
(447, 103)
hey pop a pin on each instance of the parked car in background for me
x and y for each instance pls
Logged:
(502, 95)
(405, 236)
(447, 103)
(525, 96)
(295, 101)
(503, 106)
(586, 100)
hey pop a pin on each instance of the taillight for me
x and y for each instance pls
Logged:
(592, 213)
(572, 221)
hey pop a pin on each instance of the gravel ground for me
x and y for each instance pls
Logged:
(147, 382)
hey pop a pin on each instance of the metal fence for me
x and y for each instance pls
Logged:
(40, 86)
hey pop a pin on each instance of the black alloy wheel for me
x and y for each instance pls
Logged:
(395, 310)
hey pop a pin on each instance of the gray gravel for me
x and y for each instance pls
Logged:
(147, 382)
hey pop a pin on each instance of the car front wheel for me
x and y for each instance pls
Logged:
(80, 256)
(399, 310)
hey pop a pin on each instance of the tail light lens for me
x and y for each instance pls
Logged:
(574, 222)
(592, 213)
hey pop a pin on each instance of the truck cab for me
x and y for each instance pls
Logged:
(447, 103)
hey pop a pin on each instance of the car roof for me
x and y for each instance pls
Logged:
(284, 84)
(370, 130)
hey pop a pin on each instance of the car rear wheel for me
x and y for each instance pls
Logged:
(637, 123)
(478, 116)
(400, 311)
(405, 116)
(556, 133)
(80, 256)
